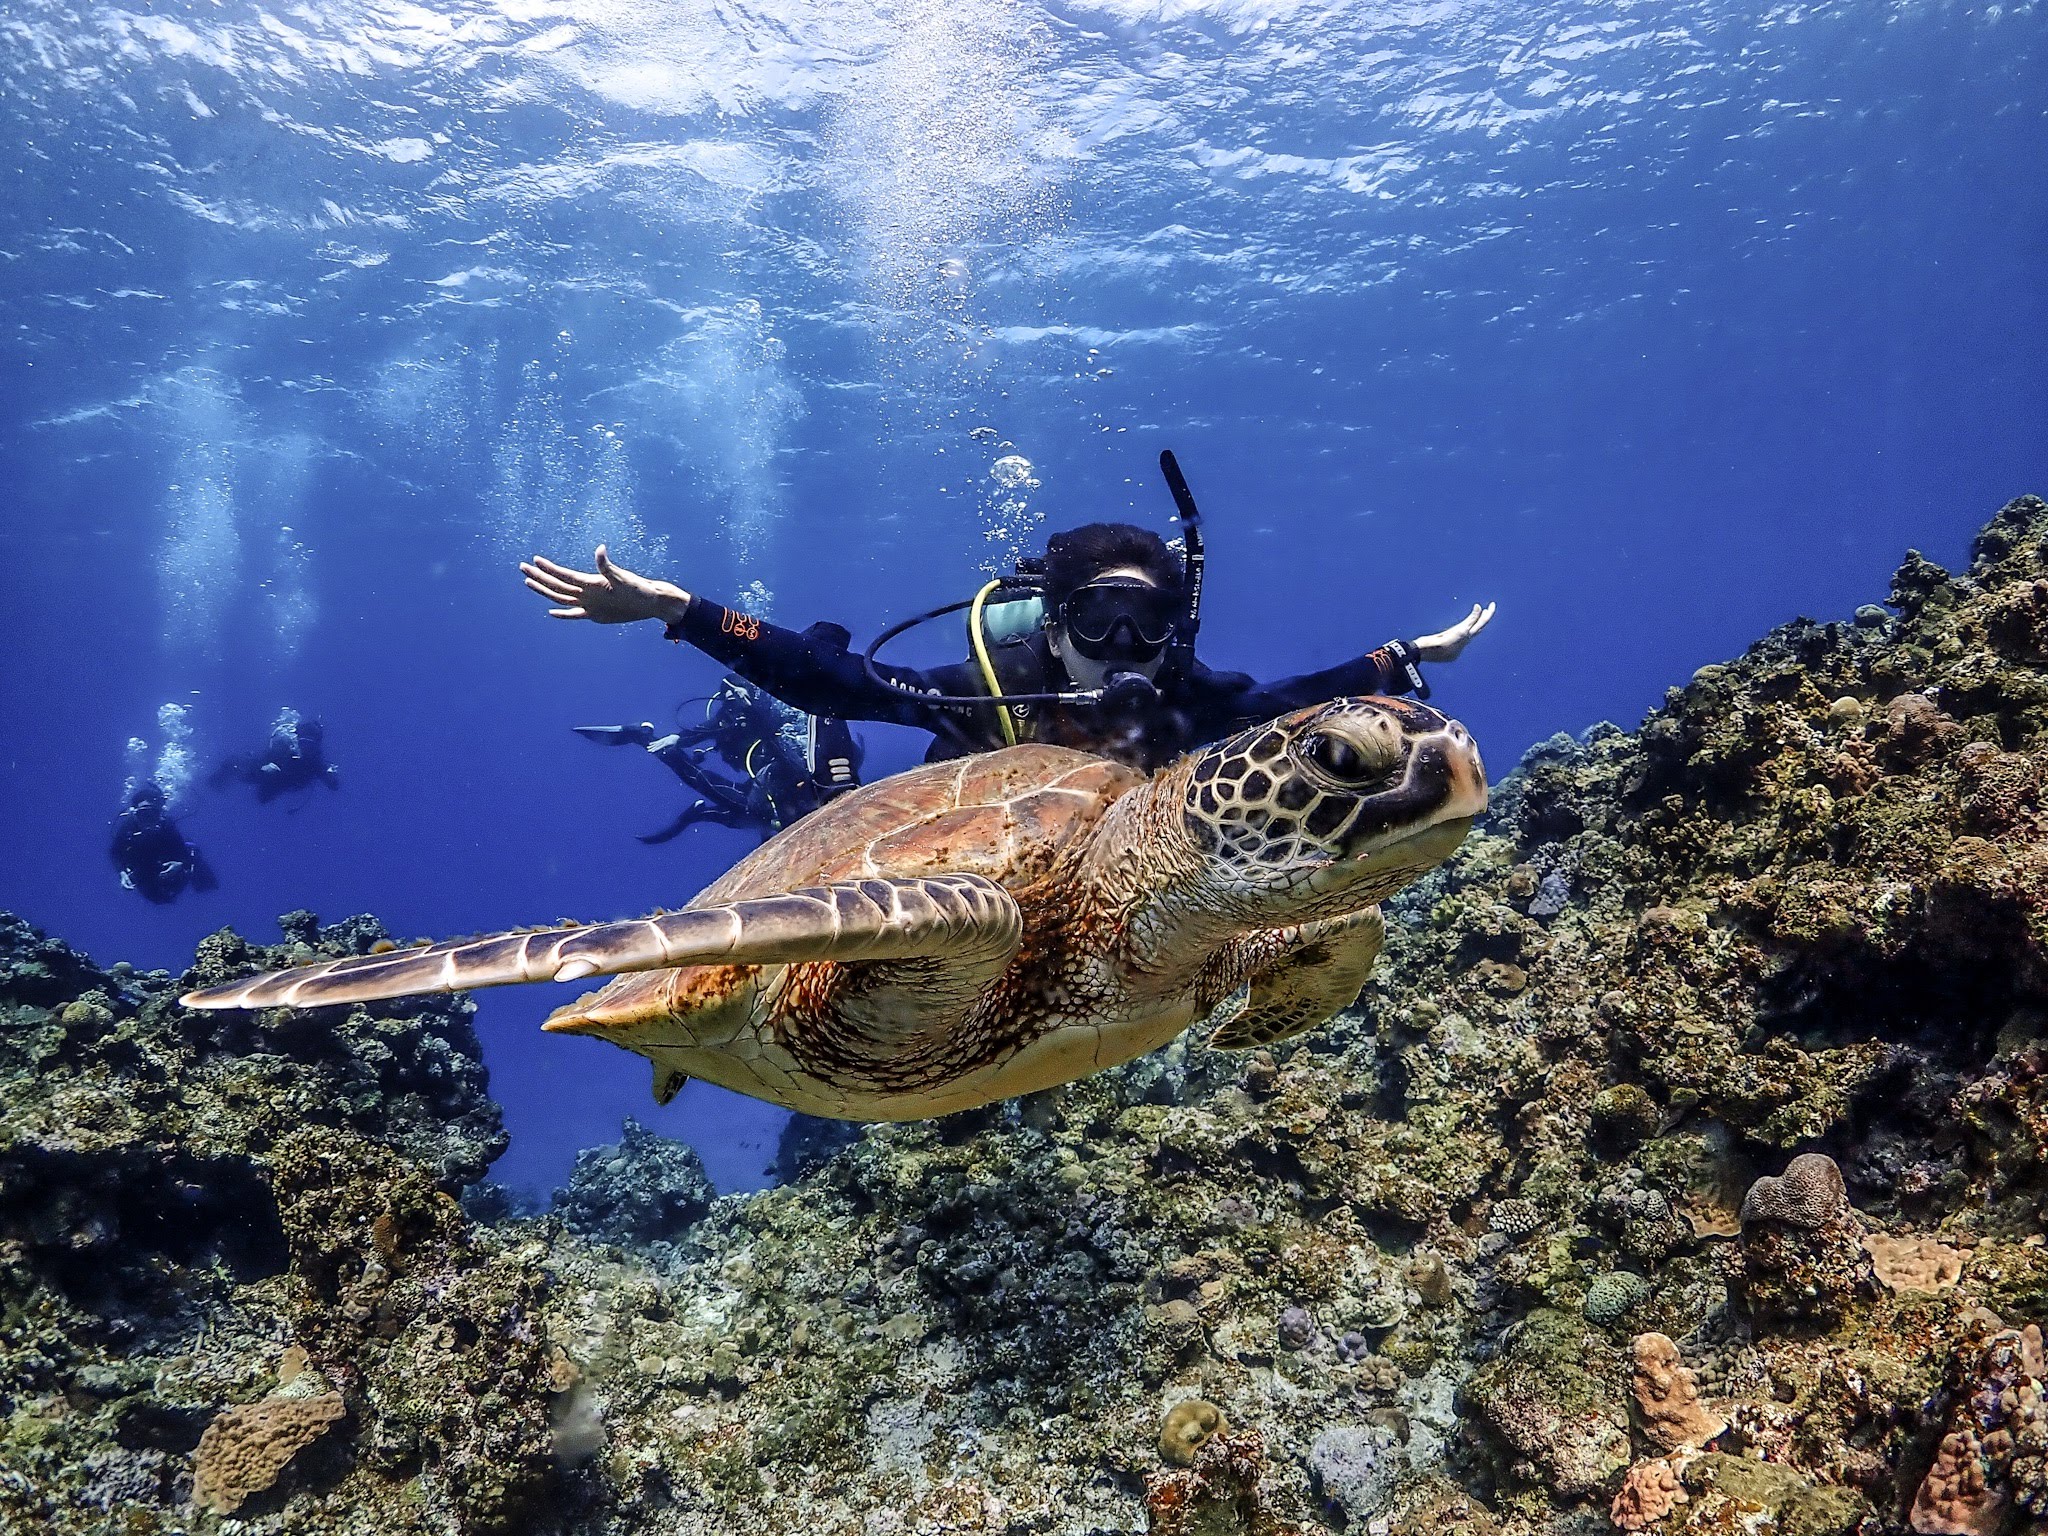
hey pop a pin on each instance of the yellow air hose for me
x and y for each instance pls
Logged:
(988, 670)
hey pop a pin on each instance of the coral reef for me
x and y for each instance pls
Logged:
(178, 1194)
(644, 1189)
(1804, 1255)
(1681, 1167)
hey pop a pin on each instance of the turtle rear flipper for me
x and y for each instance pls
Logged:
(936, 917)
(1315, 977)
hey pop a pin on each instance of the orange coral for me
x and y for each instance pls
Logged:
(1667, 1397)
(1221, 1492)
(1957, 1498)
(1648, 1493)
(246, 1448)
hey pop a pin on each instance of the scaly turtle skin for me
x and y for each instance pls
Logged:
(973, 930)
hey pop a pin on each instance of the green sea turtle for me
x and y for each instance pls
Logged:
(977, 929)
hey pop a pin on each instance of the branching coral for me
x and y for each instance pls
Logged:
(1958, 1497)
(1996, 1442)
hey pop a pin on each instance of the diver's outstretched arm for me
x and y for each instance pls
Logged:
(813, 672)
(1447, 644)
(685, 766)
(609, 595)
(1232, 699)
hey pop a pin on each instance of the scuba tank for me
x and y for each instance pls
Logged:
(1011, 619)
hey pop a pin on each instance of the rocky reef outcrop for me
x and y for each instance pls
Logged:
(1681, 1167)
(642, 1190)
(233, 1271)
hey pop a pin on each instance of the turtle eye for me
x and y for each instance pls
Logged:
(1343, 760)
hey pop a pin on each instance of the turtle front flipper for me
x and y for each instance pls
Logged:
(872, 1002)
(856, 921)
(1317, 974)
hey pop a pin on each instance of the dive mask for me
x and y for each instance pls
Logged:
(1120, 618)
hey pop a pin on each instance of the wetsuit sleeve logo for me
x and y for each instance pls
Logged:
(740, 624)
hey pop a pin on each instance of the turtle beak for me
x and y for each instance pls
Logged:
(1463, 769)
(1443, 785)
(1406, 831)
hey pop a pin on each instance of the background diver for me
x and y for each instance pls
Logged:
(294, 758)
(151, 853)
(773, 778)
(1104, 661)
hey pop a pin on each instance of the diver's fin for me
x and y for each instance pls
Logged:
(955, 915)
(616, 735)
(687, 817)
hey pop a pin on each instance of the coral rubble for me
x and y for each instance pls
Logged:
(1681, 1167)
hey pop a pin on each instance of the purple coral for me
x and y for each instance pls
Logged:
(1297, 1328)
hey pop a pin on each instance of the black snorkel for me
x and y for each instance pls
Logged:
(1121, 690)
(1180, 651)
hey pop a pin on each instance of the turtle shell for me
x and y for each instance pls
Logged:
(1006, 815)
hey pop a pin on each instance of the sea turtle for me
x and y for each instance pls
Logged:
(977, 929)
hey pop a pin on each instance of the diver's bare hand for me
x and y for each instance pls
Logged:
(1446, 644)
(609, 595)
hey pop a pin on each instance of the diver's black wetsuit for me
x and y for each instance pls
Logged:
(815, 671)
(776, 788)
(152, 853)
(774, 783)
(294, 759)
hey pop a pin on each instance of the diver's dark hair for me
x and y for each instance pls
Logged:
(1078, 556)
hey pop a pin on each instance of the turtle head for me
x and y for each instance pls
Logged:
(1331, 808)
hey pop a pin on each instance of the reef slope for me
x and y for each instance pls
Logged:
(1681, 1167)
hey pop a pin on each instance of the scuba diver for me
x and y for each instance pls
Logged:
(772, 781)
(151, 852)
(1090, 647)
(294, 759)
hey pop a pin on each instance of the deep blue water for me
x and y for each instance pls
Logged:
(1656, 323)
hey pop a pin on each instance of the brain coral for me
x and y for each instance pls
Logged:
(1611, 1295)
(245, 1448)
(1806, 1194)
(1190, 1424)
